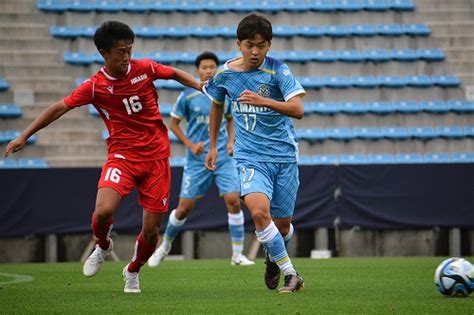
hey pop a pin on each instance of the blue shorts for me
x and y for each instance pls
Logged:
(278, 181)
(197, 179)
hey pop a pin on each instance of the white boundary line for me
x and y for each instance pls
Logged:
(16, 278)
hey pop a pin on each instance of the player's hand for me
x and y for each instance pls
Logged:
(211, 159)
(252, 98)
(14, 146)
(230, 148)
(202, 84)
(197, 148)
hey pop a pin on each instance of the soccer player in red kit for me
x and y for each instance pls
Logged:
(138, 146)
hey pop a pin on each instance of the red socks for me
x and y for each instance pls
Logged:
(143, 251)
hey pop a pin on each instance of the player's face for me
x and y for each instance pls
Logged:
(118, 58)
(254, 50)
(206, 69)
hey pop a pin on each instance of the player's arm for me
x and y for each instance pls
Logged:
(53, 112)
(215, 118)
(292, 108)
(230, 133)
(196, 148)
(187, 79)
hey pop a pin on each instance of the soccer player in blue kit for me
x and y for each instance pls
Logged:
(194, 107)
(264, 94)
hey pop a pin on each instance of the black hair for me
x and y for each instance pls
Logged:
(206, 55)
(254, 24)
(110, 32)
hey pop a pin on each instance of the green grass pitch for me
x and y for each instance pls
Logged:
(332, 286)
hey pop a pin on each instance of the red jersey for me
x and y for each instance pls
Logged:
(129, 108)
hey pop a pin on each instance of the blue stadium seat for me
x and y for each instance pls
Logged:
(364, 30)
(337, 30)
(164, 6)
(338, 82)
(437, 158)
(298, 6)
(410, 158)
(177, 161)
(105, 134)
(243, 6)
(450, 132)
(422, 133)
(284, 31)
(308, 108)
(324, 6)
(65, 31)
(150, 31)
(92, 110)
(295, 56)
(168, 85)
(10, 111)
(227, 32)
(382, 158)
(419, 81)
(378, 55)
(164, 57)
(469, 131)
(195, 7)
(394, 82)
(416, 29)
(165, 109)
(326, 159)
(434, 54)
(353, 108)
(325, 108)
(312, 82)
(322, 55)
(305, 160)
(79, 80)
(81, 6)
(389, 30)
(460, 106)
(13, 134)
(78, 58)
(172, 136)
(309, 31)
(350, 55)
(226, 55)
(87, 31)
(404, 55)
(97, 57)
(204, 31)
(32, 163)
(311, 134)
(365, 82)
(394, 133)
(434, 106)
(401, 5)
(367, 133)
(349, 5)
(136, 6)
(55, 6)
(2, 137)
(462, 157)
(108, 6)
(8, 163)
(446, 81)
(353, 159)
(340, 134)
(407, 107)
(187, 57)
(177, 31)
(380, 107)
(270, 6)
(376, 5)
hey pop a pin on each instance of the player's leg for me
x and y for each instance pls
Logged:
(176, 220)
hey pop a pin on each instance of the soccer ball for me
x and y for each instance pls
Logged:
(454, 277)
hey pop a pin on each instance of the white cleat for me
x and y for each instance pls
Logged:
(94, 261)
(241, 260)
(132, 283)
(158, 255)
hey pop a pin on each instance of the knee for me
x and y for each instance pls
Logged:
(284, 230)
(150, 236)
(103, 212)
(260, 215)
(233, 205)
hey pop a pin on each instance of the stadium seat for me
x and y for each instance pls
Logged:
(364, 30)
(394, 133)
(434, 106)
(2, 137)
(172, 136)
(168, 85)
(13, 134)
(381, 158)
(82, 6)
(177, 161)
(450, 132)
(10, 111)
(416, 29)
(322, 55)
(378, 55)
(227, 32)
(68, 32)
(137, 6)
(187, 57)
(164, 6)
(298, 6)
(469, 131)
(79, 80)
(337, 30)
(105, 134)
(394, 82)
(78, 58)
(324, 6)
(365, 82)
(326, 159)
(410, 158)
(389, 30)
(32, 163)
(446, 81)
(269, 6)
(164, 57)
(350, 56)
(401, 5)
(353, 108)
(312, 82)
(380, 108)
(349, 5)
(419, 81)
(325, 108)
(204, 32)
(462, 157)
(434, 54)
(97, 57)
(165, 109)
(150, 31)
(340, 134)
(376, 5)
(311, 134)
(309, 31)
(338, 82)
(243, 6)
(404, 55)
(305, 160)
(367, 133)
(92, 110)
(108, 6)
(437, 158)
(54, 6)
(177, 32)
(8, 163)
(460, 106)
(407, 107)
(87, 31)
(353, 159)
(422, 133)
(284, 31)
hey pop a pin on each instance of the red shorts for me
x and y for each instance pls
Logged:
(152, 178)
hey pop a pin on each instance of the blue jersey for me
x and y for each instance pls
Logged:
(195, 107)
(261, 134)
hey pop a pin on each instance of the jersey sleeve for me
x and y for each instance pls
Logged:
(82, 95)
(160, 71)
(179, 108)
(215, 89)
(288, 84)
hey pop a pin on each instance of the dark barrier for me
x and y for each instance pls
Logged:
(46, 201)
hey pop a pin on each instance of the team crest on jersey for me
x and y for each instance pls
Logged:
(264, 90)
(110, 88)
(197, 109)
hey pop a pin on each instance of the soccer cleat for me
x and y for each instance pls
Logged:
(94, 261)
(272, 273)
(293, 283)
(159, 255)
(241, 260)
(132, 283)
